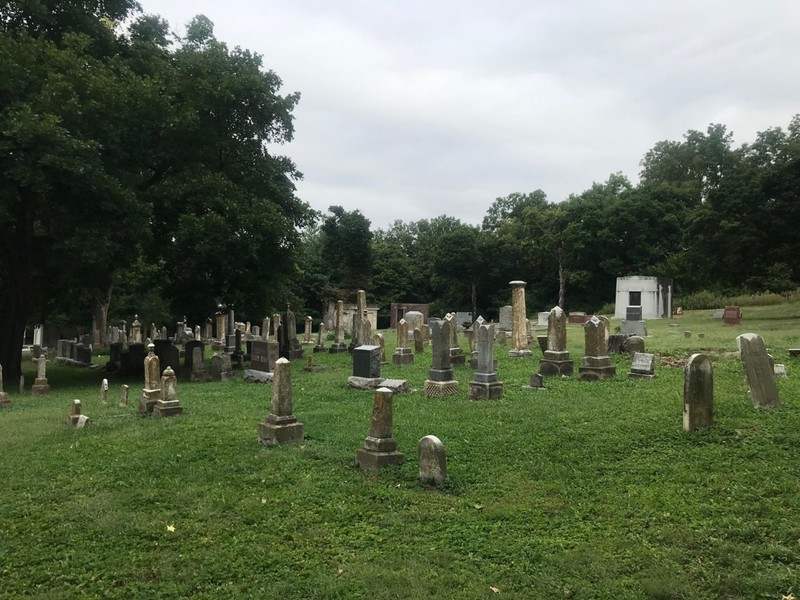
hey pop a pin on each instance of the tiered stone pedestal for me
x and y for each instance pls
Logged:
(485, 387)
(596, 368)
(148, 400)
(556, 364)
(337, 348)
(378, 453)
(40, 387)
(457, 357)
(277, 430)
(440, 382)
(638, 375)
(402, 356)
(167, 408)
(523, 353)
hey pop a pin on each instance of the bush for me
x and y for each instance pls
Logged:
(706, 299)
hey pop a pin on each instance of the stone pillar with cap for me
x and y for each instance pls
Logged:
(380, 448)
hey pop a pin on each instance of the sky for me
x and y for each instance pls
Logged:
(410, 110)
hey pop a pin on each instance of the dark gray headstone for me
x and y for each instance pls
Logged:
(264, 355)
(367, 361)
(758, 370)
(189, 353)
(698, 393)
(633, 313)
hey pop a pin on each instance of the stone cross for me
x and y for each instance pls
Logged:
(519, 325)
(104, 392)
(758, 370)
(698, 393)
(281, 426)
(380, 448)
(432, 461)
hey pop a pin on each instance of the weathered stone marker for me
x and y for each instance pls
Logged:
(432, 461)
(402, 353)
(321, 334)
(104, 392)
(634, 343)
(698, 393)
(380, 448)
(556, 359)
(642, 366)
(484, 385)
(152, 381)
(419, 341)
(75, 418)
(281, 426)
(440, 380)
(456, 352)
(338, 343)
(40, 386)
(596, 365)
(221, 367)
(758, 370)
(519, 326)
(123, 395)
(168, 404)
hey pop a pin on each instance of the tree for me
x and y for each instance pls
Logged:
(347, 250)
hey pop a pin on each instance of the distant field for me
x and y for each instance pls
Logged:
(583, 490)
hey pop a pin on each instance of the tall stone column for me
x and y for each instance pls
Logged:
(338, 342)
(281, 426)
(380, 448)
(440, 380)
(519, 325)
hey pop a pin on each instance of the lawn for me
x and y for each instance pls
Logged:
(581, 490)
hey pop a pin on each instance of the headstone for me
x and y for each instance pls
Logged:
(633, 328)
(190, 355)
(281, 426)
(732, 315)
(377, 340)
(222, 326)
(338, 343)
(633, 313)
(505, 318)
(541, 318)
(366, 329)
(198, 372)
(104, 392)
(440, 380)
(151, 392)
(484, 385)
(221, 367)
(616, 344)
(83, 353)
(537, 381)
(208, 331)
(123, 395)
(456, 353)
(136, 331)
(596, 365)
(321, 334)
(308, 335)
(794, 352)
(40, 386)
(642, 366)
(556, 361)
(432, 461)
(419, 342)
(758, 370)
(542, 341)
(5, 400)
(263, 356)
(687, 335)
(701, 335)
(289, 347)
(415, 320)
(780, 371)
(698, 393)
(718, 314)
(634, 343)
(402, 353)
(380, 448)
(75, 418)
(168, 404)
(367, 361)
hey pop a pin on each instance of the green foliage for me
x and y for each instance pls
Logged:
(705, 299)
(582, 490)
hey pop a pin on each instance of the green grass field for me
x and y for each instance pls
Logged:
(583, 490)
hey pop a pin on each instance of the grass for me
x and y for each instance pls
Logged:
(583, 490)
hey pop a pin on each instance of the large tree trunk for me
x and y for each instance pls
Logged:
(101, 300)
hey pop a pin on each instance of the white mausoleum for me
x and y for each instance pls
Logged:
(652, 294)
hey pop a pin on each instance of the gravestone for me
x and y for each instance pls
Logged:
(794, 352)
(556, 361)
(281, 426)
(5, 400)
(616, 344)
(541, 318)
(83, 353)
(596, 365)
(104, 392)
(22, 384)
(321, 333)
(537, 381)
(338, 344)
(457, 357)
(732, 315)
(151, 392)
(484, 384)
(633, 313)
(123, 395)
(380, 448)
(634, 343)
(718, 314)
(76, 418)
(263, 356)
(366, 366)
(519, 323)
(415, 320)
(504, 319)
(308, 338)
(168, 404)
(542, 341)
(432, 461)
(758, 370)
(419, 342)
(198, 372)
(779, 370)
(221, 368)
(265, 329)
(687, 335)
(633, 328)
(377, 340)
(642, 366)
(698, 393)
(189, 355)
(40, 386)
(440, 380)
(289, 347)
(402, 353)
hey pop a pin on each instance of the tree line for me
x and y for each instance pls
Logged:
(141, 173)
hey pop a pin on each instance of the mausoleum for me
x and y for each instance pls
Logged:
(653, 295)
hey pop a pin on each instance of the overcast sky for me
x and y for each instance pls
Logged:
(412, 109)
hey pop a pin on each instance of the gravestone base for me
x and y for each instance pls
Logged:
(280, 430)
(556, 363)
(637, 375)
(337, 348)
(479, 390)
(794, 352)
(295, 353)
(457, 357)
(537, 382)
(313, 368)
(364, 383)
(148, 400)
(40, 387)
(402, 356)
(319, 349)
(378, 453)
(473, 362)
(253, 376)
(78, 421)
(438, 389)
(5, 401)
(167, 408)
(198, 375)
(596, 368)
(520, 353)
